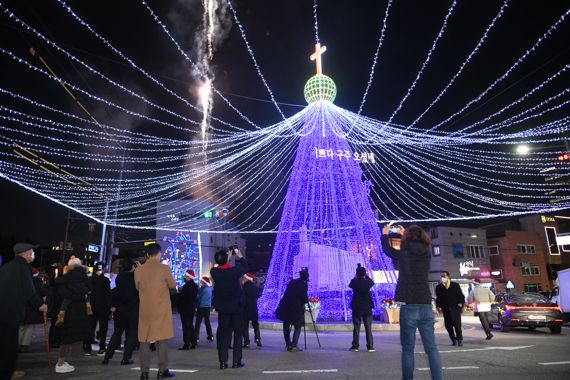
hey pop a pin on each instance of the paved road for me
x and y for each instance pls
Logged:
(519, 354)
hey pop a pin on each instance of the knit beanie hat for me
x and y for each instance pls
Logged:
(73, 262)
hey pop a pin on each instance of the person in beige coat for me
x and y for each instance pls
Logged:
(483, 298)
(154, 281)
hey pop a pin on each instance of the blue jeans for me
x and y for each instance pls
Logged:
(412, 318)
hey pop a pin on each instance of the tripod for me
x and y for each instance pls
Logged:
(314, 327)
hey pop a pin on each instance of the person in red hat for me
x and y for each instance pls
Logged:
(204, 305)
(187, 309)
(252, 293)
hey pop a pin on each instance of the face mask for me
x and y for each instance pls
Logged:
(444, 280)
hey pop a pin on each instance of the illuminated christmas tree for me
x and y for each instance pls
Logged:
(327, 223)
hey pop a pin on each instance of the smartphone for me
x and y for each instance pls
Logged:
(395, 229)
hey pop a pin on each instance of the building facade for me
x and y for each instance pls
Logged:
(518, 259)
(462, 252)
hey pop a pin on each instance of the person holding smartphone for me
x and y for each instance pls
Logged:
(229, 301)
(412, 292)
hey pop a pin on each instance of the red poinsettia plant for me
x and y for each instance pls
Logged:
(314, 303)
(389, 303)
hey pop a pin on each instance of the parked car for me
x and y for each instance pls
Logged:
(529, 310)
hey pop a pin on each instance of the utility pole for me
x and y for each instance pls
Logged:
(65, 238)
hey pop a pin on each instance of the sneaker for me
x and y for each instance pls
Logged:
(295, 349)
(459, 343)
(17, 375)
(490, 336)
(101, 352)
(246, 345)
(164, 374)
(210, 339)
(64, 368)
(371, 349)
(354, 349)
(258, 342)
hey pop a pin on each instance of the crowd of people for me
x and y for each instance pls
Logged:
(81, 304)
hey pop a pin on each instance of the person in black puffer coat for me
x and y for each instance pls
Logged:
(125, 306)
(361, 305)
(412, 291)
(73, 286)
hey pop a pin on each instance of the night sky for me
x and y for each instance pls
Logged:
(282, 37)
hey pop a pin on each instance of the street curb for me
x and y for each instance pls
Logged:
(339, 327)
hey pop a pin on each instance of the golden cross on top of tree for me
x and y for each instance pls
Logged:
(317, 56)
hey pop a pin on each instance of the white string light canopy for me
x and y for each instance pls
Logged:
(413, 172)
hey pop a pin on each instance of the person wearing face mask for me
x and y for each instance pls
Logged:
(450, 300)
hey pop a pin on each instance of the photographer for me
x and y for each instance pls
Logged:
(412, 291)
(291, 309)
(229, 301)
(361, 305)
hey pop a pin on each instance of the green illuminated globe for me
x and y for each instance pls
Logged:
(319, 87)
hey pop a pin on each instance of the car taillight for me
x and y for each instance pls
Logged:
(510, 307)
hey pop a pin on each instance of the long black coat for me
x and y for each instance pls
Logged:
(291, 308)
(449, 299)
(228, 295)
(100, 297)
(187, 298)
(252, 293)
(414, 259)
(33, 316)
(54, 299)
(361, 303)
(16, 290)
(125, 297)
(74, 287)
